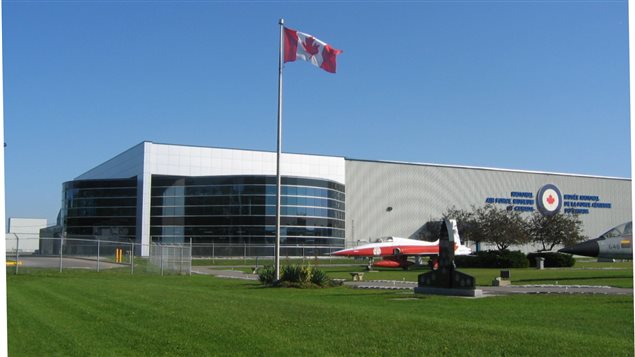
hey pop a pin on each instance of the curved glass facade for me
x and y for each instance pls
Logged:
(104, 209)
(241, 210)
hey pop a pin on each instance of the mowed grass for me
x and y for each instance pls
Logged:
(268, 261)
(83, 313)
(585, 272)
(621, 278)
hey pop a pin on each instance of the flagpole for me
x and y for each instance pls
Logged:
(279, 153)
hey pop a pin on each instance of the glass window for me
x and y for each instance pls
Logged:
(104, 209)
(241, 209)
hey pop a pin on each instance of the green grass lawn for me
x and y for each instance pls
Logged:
(269, 261)
(619, 274)
(114, 313)
(621, 278)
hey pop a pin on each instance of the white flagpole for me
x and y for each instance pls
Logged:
(279, 153)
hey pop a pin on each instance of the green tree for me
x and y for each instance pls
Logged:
(430, 231)
(501, 227)
(550, 231)
(466, 222)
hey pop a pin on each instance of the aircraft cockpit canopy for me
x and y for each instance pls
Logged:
(384, 239)
(621, 230)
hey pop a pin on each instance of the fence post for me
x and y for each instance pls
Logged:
(213, 255)
(190, 270)
(131, 258)
(17, 253)
(61, 259)
(98, 255)
(181, 259)
(244, 253)
(161, 253)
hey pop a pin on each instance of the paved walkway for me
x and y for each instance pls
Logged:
(556, 289)
(67, 262)
(223, 273)
(502, 290)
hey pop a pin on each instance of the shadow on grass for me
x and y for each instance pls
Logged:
(359, 293)
(576, 278)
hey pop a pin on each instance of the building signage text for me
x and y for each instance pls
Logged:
(521, 201)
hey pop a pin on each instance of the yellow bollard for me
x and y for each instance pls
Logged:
(118, 255)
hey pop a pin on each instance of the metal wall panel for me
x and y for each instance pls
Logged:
(417, 193)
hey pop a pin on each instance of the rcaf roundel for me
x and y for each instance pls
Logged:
(549, 200)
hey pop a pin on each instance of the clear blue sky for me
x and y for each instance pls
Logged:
(527, 85)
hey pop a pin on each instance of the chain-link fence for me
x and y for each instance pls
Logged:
(69, 253)
(222, 250)
(170, 258)
(24, 254)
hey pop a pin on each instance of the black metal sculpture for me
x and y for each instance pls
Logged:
(444, 275)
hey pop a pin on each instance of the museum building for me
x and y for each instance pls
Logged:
(226, 199)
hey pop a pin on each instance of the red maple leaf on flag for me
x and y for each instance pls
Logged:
(550, 200)
(310, 46)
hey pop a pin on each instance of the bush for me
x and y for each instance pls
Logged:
(466, 261)
(513, 259)
(552, 259)
(320, 278)
(297, 276)
(267, 275)
(493, 259)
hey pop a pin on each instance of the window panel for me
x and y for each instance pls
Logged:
(238, 208)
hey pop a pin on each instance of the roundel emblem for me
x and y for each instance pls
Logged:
(549, 200)
(377, 251)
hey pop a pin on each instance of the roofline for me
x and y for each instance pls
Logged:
(488, 169)
(108, 160)
(241, 149)
(390, 162)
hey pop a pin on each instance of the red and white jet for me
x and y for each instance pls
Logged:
(395, 251)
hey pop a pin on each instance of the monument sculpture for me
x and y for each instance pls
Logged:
(444, 279)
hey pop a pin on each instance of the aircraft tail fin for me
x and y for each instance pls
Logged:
(460, 249)
(455, 231)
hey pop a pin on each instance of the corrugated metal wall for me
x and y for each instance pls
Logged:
(417, 193)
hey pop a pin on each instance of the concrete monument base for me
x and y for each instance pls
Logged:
(449, 292)
(501, 282)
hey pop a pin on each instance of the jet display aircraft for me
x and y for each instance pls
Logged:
(395, 251)
(617, 243)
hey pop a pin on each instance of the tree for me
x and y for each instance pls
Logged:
(430, 231)
(501, 227)
(554, 230)
(466, 222)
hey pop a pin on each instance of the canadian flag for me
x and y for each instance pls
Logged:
(306, 47)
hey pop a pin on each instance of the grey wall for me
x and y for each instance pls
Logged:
(418, 193)
(125, 165)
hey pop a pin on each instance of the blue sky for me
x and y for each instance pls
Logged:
(527, 85)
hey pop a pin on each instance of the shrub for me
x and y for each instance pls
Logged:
(466, 261)
(300, 274)
(319, 278)
(552, 259)
(297, 276)
(290, 273)
(493, 259)
(267, 275)
(513, 259)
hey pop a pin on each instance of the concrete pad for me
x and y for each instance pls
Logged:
(449, 292)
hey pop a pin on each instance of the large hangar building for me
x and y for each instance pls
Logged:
(226, 198)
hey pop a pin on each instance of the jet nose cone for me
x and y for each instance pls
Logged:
(589, 248)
